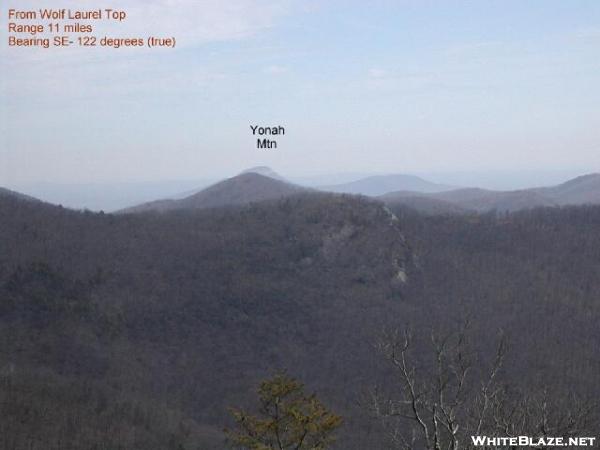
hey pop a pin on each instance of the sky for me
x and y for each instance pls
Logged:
(370, 87)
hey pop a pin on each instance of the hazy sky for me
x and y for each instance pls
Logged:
(378, 86)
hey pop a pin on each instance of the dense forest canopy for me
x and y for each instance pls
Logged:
(141, 330)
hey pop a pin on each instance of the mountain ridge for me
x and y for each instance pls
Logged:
(18, 195)
(242, 189)
(581, 190)
(381, 184)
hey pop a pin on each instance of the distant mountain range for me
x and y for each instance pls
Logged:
(147, 328)
(382, 184)
(581, 190)
(262, 183)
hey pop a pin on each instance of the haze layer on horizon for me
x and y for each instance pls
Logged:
(395, 86)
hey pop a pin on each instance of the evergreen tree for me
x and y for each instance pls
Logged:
(288, 419)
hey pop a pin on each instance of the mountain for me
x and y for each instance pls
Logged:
(382, 184)
(578, 191)
(260, 170)
(14, 194)
(581, 190)
(471, 199)
(146, 328)
(262, 183)
(265, 172)
(139, 331)
(248, 187)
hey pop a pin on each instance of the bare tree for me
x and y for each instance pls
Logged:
(438, 404)
(543, 413)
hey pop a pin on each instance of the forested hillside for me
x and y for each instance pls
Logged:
(138, 331)
(180, 315)
(535, 274)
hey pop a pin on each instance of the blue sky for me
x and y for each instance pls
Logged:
(381, 86)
